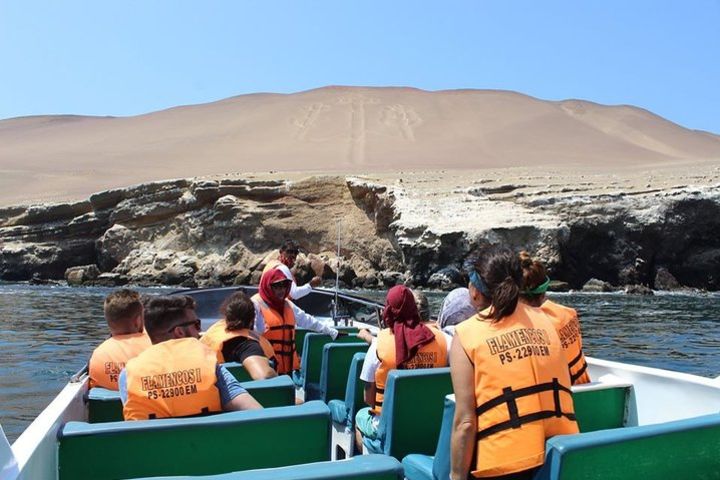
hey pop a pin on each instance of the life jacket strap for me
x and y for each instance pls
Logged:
(510, 396)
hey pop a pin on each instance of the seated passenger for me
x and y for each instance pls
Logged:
(565, 319)
(234, 340)
(177, 376)
(405, 343)
(510, 378)
(456, 308)
(124, 315)
(276, 317)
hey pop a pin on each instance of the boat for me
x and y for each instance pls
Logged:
(650, 420)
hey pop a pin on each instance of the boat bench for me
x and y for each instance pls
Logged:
(685, 449)
(301, 332)
(343, 411)
(308, 378)
(227, 442)
(601, 406)
(425, 467)
(598, 406)
(105, 405)
(335, 368)
(364, 467)
(412, 411)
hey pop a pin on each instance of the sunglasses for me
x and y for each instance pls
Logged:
(280, 286)
(195, 322)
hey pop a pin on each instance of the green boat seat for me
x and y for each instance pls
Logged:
(223, 443)
(272, 392)
(426, 467)
(105, 405)
(343, 411)
(335, 368)
(412, 411)
(599, 406)
(308, 378)
(301, 332)
(686, 449)
(364, 467)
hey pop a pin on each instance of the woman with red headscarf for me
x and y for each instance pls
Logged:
(405, 343)
(276, 318)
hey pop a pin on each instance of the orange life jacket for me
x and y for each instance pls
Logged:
(522, 389)
(175, 378)
(217, 335)
(110, 357)
(567, 325)
(430, 355)
(280, 332)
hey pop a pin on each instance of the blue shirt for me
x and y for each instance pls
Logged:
(227, 385)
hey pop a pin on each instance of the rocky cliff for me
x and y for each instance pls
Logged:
(414, 228)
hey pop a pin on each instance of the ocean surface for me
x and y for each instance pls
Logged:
(47, 334)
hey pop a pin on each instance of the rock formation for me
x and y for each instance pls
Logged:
(211, 232)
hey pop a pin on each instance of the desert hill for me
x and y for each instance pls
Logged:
(349, 130)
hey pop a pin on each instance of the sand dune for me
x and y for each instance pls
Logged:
(335, 129)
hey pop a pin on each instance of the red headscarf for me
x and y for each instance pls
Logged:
(265, 290)
(401, 315)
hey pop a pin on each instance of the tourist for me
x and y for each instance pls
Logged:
(233, 339)
(398, 345)
(276, 318)
(288, 254)
(123, 312)
(510, 378)
(565, 319)
(177, 376)
(456, 308)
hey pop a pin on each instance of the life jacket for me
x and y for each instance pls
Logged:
(567, 325)
(174, 378)
(280, 332)
(270, 265)
(522, 389)
(110, 357)
(217, 335)
(430, 355)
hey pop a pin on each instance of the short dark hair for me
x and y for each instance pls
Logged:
(122, 305)
(162, 311)
(290, 246)
(238, 310)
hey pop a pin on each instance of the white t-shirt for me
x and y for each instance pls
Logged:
(372, 362)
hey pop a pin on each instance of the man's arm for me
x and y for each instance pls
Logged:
(232, 395)
(306, 320)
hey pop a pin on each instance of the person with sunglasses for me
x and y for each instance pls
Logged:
(276, 318)
(177, 376)
(289, 251)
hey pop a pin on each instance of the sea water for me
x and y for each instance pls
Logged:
(48, 333)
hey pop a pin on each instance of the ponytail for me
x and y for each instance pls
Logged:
(504, 299)
(500, 270)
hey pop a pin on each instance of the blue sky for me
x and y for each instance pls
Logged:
(131, 57)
